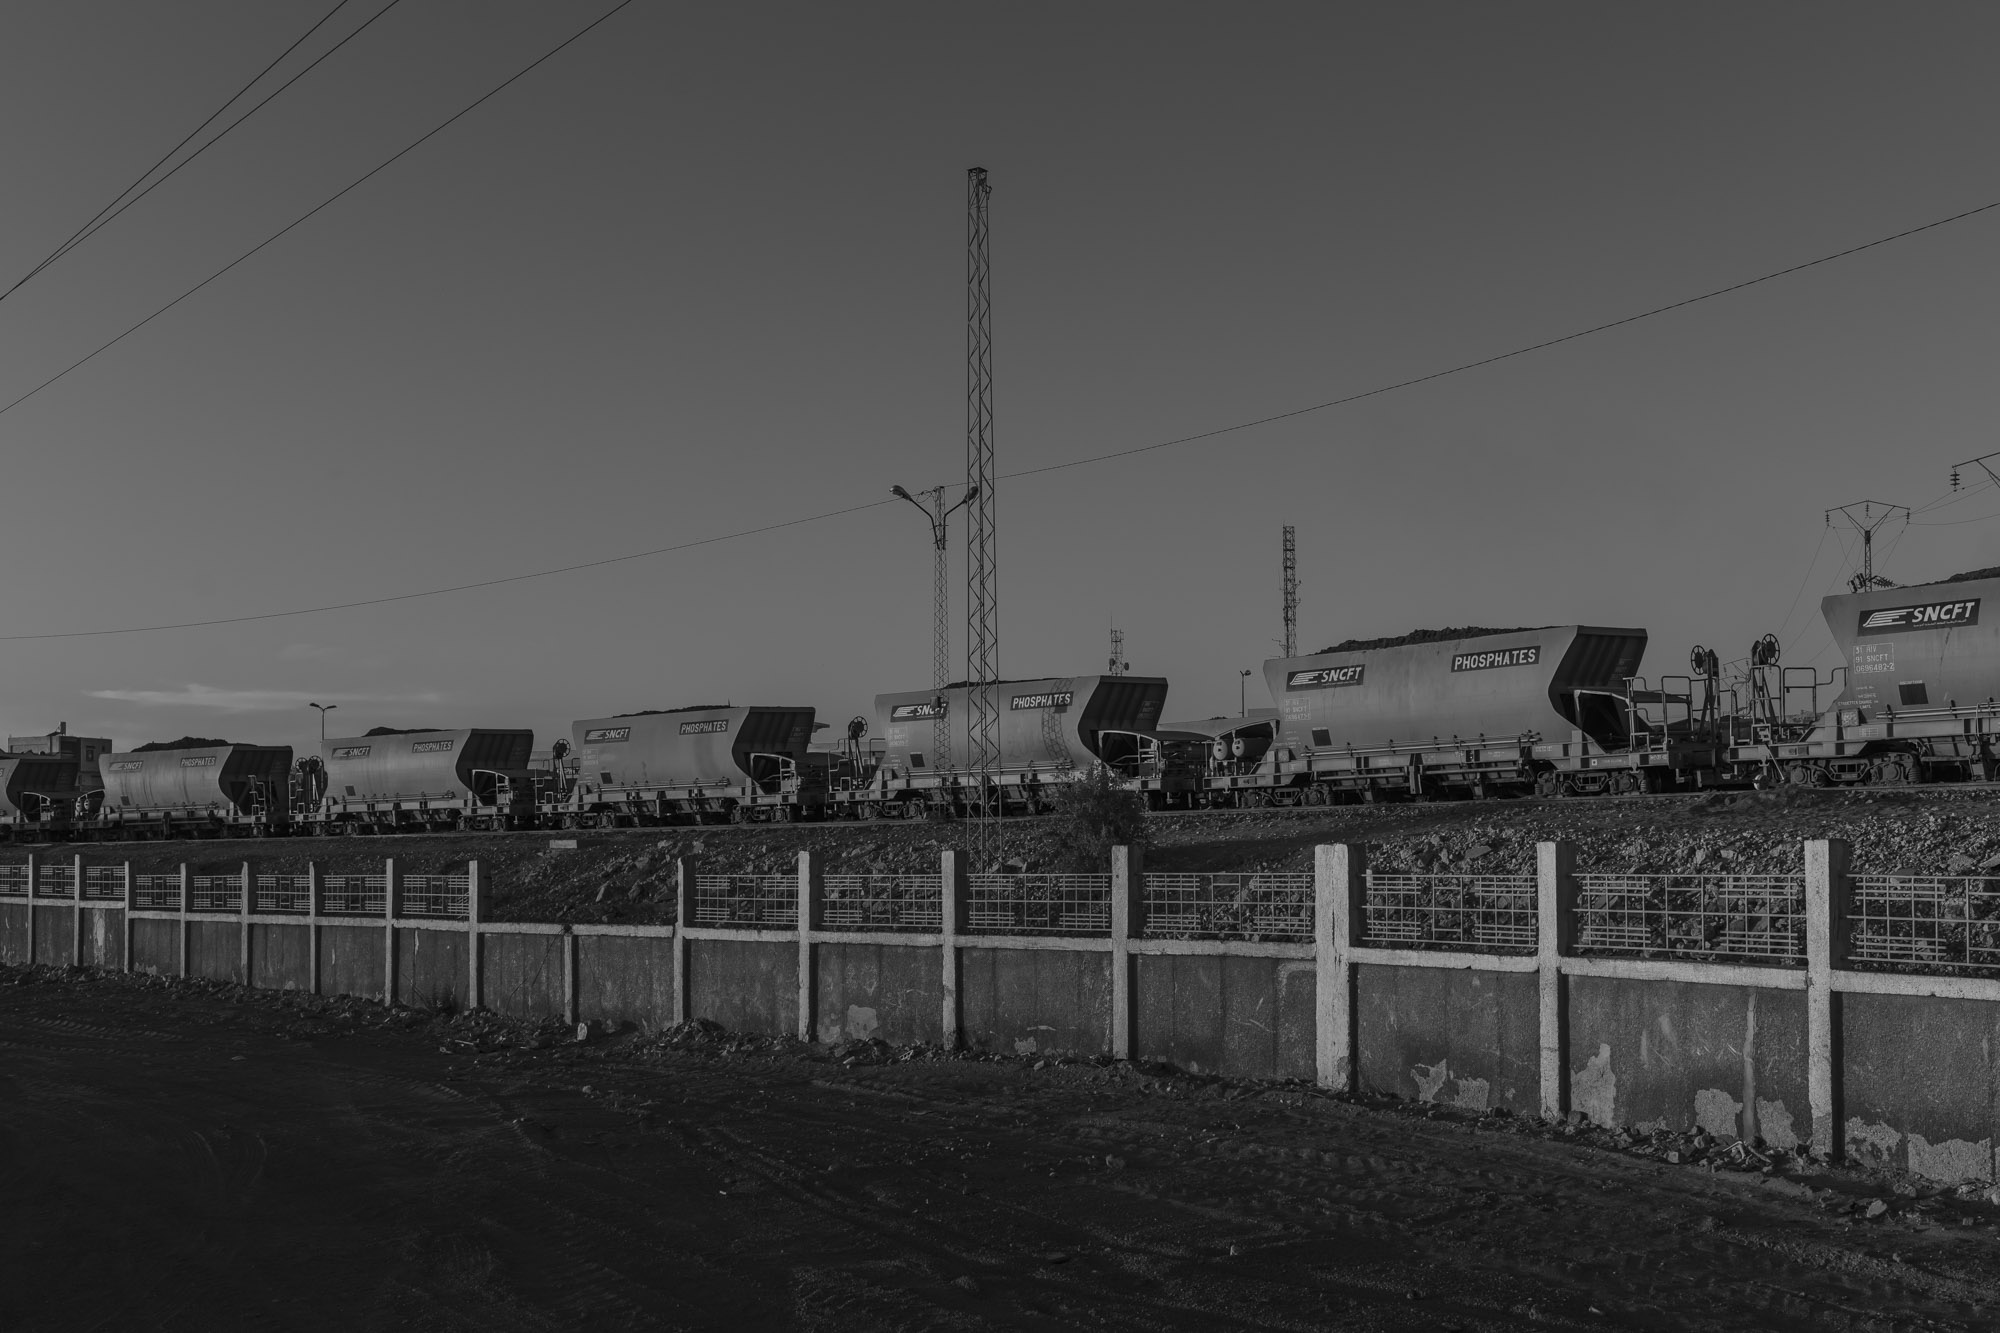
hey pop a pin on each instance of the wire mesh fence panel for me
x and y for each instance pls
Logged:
(216, 893)
(55, 881)
(1039, 904)
(1257, 907)
(883, 902)
(354, 895)
(1487, 913)
(14, 881)
(104, 883)
(750, 902)
(156, 893)
(1754, 918)
(447, 897)
(284, 893)
(1929, 921)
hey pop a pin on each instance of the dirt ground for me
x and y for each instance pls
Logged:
(187, 1156)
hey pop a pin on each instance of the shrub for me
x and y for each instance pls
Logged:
(1091, 817)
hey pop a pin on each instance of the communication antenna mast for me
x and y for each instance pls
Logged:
(1865, 516)
(982, 545)
(1119, 666)
(1291, 591)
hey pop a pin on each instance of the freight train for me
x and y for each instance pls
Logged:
(1550, 711)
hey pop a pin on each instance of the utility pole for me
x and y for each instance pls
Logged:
(1865, 516)
(982, 538)
(1291, 591)
(1119, 666)
(940, 521)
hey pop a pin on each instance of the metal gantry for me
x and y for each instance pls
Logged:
(982, 547)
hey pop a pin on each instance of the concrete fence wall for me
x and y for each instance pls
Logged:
(1902, 1069)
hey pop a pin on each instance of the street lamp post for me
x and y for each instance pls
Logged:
(324, 709)
(1243, 692)
(940, 518)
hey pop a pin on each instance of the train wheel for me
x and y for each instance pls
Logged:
(866, 810)
(785, 814)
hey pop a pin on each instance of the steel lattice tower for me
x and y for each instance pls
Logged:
(982, 549)
(1118, 662)
(1291, 591)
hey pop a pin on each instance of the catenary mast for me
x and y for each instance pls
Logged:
(982, 549)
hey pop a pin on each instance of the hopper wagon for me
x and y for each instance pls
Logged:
(38, 794)
(1913, 701)
(1049, 731)
(1480, 713)
(195, 790)
(421, 780)
(702, 764)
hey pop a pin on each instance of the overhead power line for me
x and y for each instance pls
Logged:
(1459, 369)
(120, 202)
(327, 202)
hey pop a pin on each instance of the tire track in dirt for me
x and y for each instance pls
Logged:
(346, 1176)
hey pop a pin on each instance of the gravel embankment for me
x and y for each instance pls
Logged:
(629, 875)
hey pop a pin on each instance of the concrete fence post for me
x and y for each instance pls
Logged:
(76, 887)
(125, 954)
(812, 896)
(34, 886)
(1829, 893)
(1555, 939)
(246, 904)
(315, 909)
(475, 912)
(392, 907)
(685, 870)
(1340, 896)
(951, 924)
(569, 975)
(1128, 906)
(187, 902)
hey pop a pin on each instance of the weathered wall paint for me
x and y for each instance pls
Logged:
(55, 936)
(350, 960)
(215, 950)
(156, 946)
(625, 979)
(14, 933)
(431, 969)
(104, 938)
(522, 975)
(1690, 1055)
(889, 992)
(1456, 1037)
(1214, 1014)
(745, 985)
(1920, 1083)
(1033, 1001)
(281, 957)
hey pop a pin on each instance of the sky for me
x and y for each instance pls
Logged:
(703, 271)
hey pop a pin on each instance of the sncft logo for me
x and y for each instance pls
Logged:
(1325, 678)
(1923, 615)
